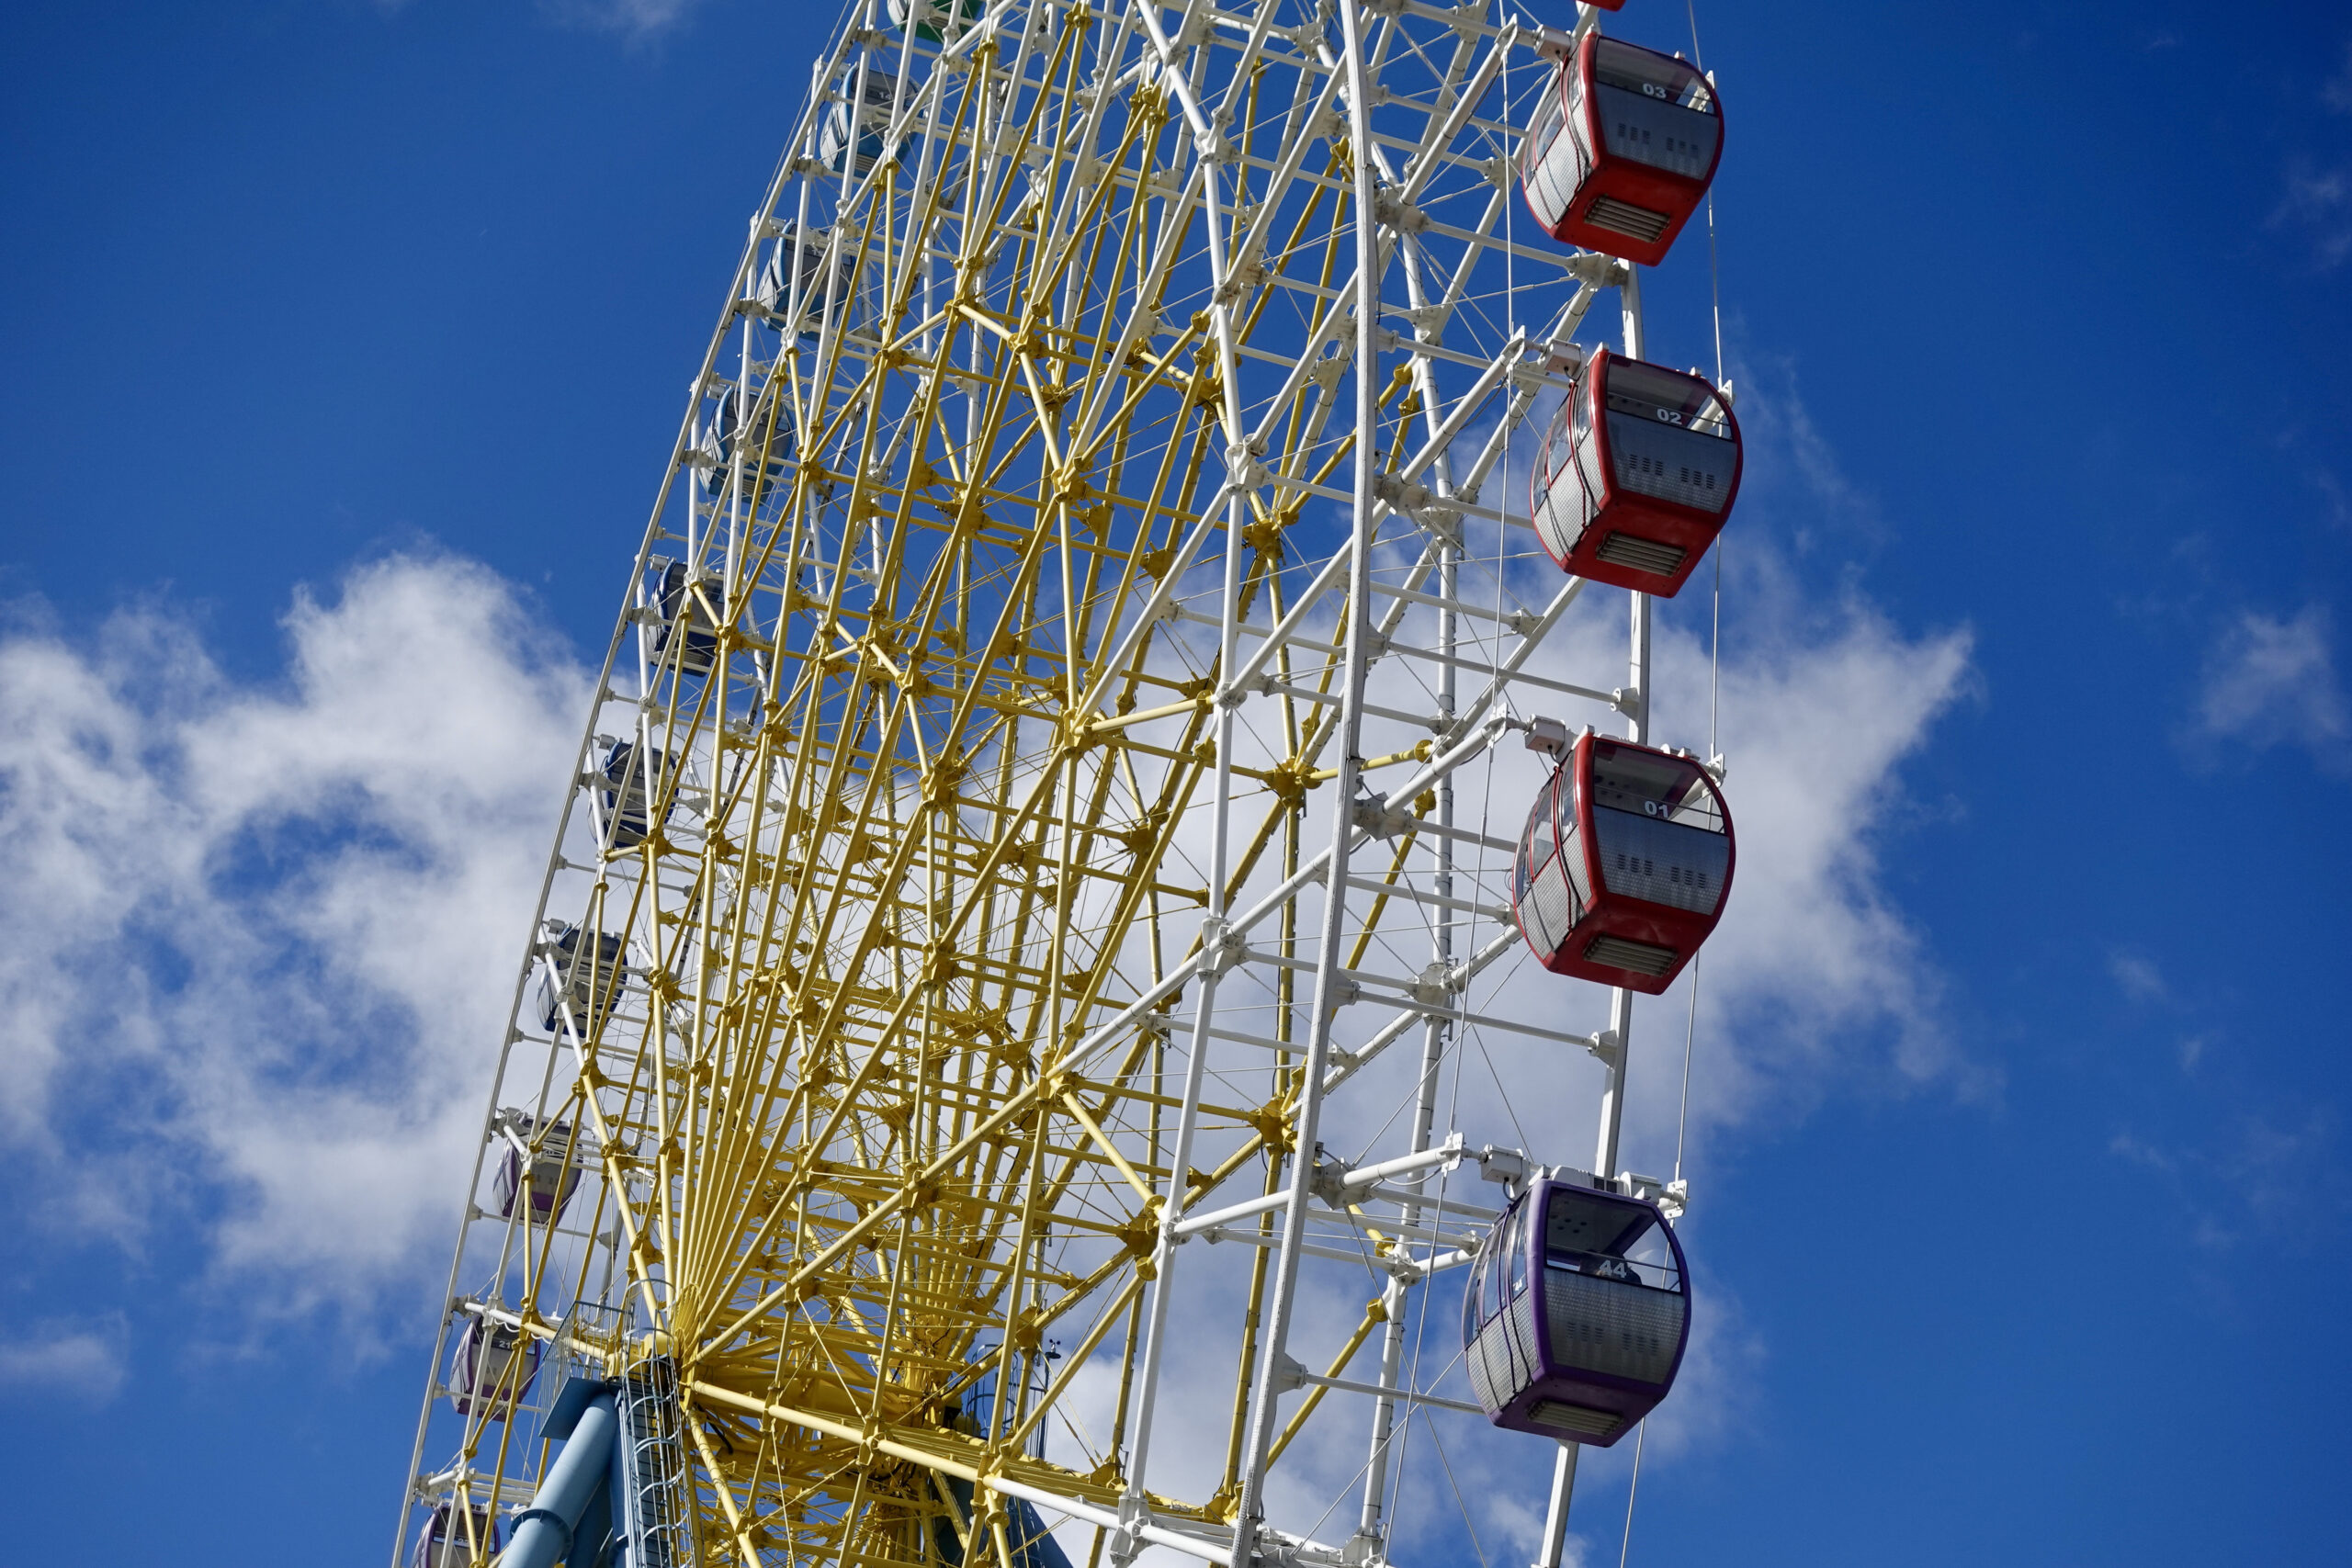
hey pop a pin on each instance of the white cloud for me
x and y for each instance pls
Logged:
(81, 1361)
(278, 927)
(264, 936)
(2269, 681)
(2336, 91)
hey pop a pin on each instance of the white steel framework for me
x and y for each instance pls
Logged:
(1026, 808)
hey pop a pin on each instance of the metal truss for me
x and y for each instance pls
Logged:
(1096, 562)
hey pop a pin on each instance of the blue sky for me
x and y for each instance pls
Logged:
(341, 338)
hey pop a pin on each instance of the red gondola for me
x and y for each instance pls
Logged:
(1624, 865)
(1622, 150)
(1638, 474)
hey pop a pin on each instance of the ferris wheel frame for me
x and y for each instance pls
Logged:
(1470, 405)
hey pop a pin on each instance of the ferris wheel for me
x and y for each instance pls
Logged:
(1134, 692)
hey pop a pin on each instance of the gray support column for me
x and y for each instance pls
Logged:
(543, 1532)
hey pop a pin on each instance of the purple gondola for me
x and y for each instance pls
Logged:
(554, 1171)
(492, 1368)
(584, 992)
(1574, 1324)
(450, 1540)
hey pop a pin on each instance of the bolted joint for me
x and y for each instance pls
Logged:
(1438, 984)
(1394, 211)
(1380, 819)
(1125, 1539)
(1401, 495)
(1602, 272)
(1344, 993)
(1221, 946)
(1327, 1182)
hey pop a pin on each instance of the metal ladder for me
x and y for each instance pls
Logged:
(657, 1497)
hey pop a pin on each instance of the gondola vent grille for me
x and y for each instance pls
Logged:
(1657, 555)
(1623, 953)
(1624, 218)
(1563, 1416)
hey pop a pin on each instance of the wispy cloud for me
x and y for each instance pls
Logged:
(2336, 91)
(1789, 453)
(82, 1361)
(2269, 681)
(2137, 977)
(2317, 202)
(265, 936)
(2261, 1175)
(2331, 490)
(632, 19)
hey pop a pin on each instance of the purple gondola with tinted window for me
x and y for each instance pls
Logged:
(452, 1540)
(581, 990)
(555, 1171)
(1576, 1314)
(492, 1368)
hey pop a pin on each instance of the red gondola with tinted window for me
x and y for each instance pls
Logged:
(1622, 151)
(1638, 474)
(1624, 865)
